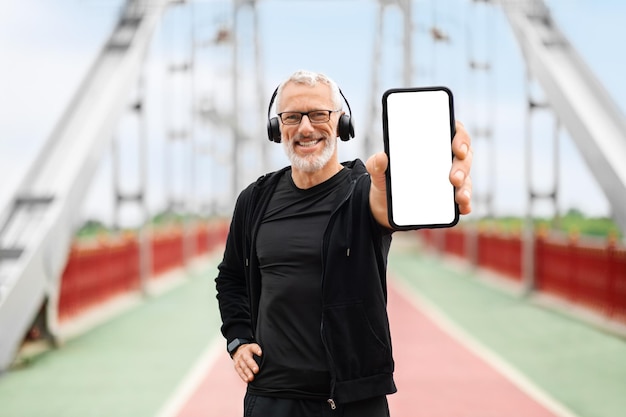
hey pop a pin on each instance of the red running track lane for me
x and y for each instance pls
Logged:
(436, 377)
(220, 394)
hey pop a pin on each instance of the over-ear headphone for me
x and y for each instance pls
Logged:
(345, 127)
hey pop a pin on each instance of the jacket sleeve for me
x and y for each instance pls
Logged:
(232, 291)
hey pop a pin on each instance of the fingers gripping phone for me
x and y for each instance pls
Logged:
(418, 127)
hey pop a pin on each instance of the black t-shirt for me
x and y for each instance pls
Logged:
(289, 249)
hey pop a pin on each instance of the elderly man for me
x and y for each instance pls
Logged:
(302, 285)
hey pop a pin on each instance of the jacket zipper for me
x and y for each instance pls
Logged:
(332, 404)
(333, 377)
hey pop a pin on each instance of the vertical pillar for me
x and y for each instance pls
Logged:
(137, 198)
(190, 223)
(370, 142)
(533, 195)
(180, 135)
(481, 78)
(235, 114)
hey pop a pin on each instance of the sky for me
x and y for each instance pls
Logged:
(47, 48)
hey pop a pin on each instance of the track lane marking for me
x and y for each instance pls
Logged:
(464, 339)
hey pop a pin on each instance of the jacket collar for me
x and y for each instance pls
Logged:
(356, 167)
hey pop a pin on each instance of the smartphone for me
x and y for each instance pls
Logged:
(418, 127)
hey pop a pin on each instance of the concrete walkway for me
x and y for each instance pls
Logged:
(462, 347)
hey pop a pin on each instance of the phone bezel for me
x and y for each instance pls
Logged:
(390, 217)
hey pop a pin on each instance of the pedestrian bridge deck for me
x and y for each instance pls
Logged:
(463, 347)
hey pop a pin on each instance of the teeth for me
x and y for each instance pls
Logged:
(308, 143)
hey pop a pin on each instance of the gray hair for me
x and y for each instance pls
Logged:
(311, 79)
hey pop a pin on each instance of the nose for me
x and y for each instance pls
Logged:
(305, 125)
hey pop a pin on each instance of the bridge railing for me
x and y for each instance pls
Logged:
(99, 270)
(588, 274)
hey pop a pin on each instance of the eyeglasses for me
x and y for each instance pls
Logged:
(315, 116)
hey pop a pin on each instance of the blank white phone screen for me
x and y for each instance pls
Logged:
(420, 157)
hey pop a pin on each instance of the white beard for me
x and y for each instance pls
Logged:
(313, 162)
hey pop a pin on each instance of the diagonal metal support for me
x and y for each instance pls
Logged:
(36, 230)
(582, 104)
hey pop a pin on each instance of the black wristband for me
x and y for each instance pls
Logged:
(234, 345)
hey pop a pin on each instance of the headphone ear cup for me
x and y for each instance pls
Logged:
(345, 129)
(273, 130)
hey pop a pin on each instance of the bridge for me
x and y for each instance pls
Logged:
(216, 87)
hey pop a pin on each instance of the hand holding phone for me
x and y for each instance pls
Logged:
(418, 127)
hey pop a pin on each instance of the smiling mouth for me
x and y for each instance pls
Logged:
(309, 143)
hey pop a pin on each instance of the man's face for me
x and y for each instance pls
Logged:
(309, 146)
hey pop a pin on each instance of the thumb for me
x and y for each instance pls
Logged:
(376, 165)
(257, 349)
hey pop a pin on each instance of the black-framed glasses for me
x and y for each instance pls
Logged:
(315, 116)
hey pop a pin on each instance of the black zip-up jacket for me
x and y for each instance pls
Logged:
(355, 326)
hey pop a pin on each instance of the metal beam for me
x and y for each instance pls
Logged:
(43, 227)
(583, 105)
